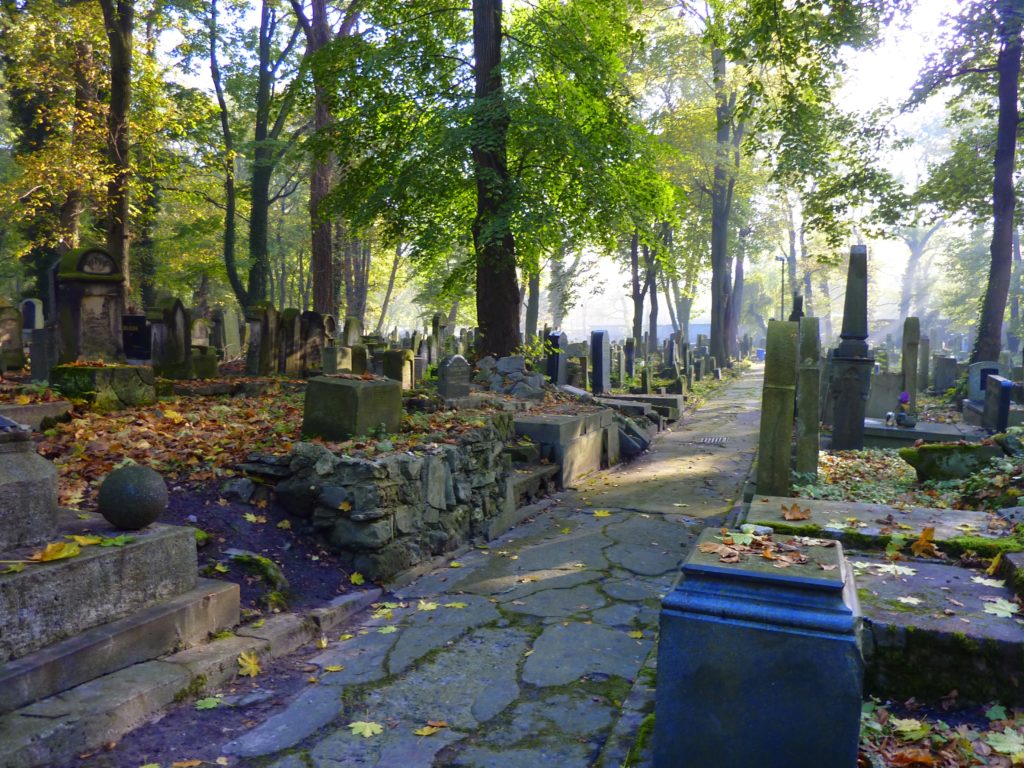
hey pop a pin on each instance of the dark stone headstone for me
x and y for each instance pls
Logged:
(557, 362)
(398, 364)
(12, 343)
(261, 358)
(777, 400)
(798, 308)
(43, 353)
(852, 361)
(289, 337)
(943, 373)
(171, 339)
(314, 338)
(137, 336)
(453, 377)
(630, 350)
(90, 301)
(996, 413)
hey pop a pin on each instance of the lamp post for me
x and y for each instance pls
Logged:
(782, 290)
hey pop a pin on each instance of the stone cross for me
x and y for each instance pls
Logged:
(777, 399)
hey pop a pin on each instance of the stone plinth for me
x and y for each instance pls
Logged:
(28, 503)
(107, 388)
(338, 408)
(759, 666)
(851, 362)
(777, 400)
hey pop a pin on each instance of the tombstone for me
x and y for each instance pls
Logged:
(171, 339)
(996, 414)
(808, 396)
(398, 364)
(698, 369)
(777, 400)
(798, 308)
(337, 408)
(90, 302)
(557, 362)
(261, 358)
(584, 364)
(225, 337)
(43, 353)
(943, 373)
(419, 368)
(358, 359)
(31, 317)
(329, 358)
(924, 356)
(352, 333)
(795, 699)
(620, 355)
(645, 381)
(200, 333)
(330, 328)
(289, 341)
(977, 374)
(311, 327)
(908, 359)
(136, 336)
(12, 345)
(630, 350)
(204, 362)
(414, 342)
(852, 361)
(453, 378)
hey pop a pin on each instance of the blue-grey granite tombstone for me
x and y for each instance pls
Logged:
(453, 377)
(757, 665)
(557, 363)
(977, 376)
(996, 413)
(601, 355)
(630, 357)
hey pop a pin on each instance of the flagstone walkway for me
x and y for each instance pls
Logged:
(538, 650)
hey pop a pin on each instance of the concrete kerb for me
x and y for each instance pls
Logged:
(52, 730)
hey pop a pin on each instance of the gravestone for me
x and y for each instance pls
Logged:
(584, 363)
(330, 359)
(136, 336)
(908, 359)
(646, 387)
(620, 355)
(337, 408)
(798, 308)
(171, 341)
(352, 333)
(976, 378)
(12, 345)
(204, 362)
(31, 316)
(924, 356)
(419, 368)
(330, 327)
(358, 359)
(200, 333)
(794, 701)
(226, 337)
(808, 394)
(289, 340)
(996, 414)
(398, 364)
(311, 326)
(453, 378)
(777, 400)
(851, 361)
(557, 362)
(943, 373)
(90, 302)
(630, 350)
(698, 369)
(261, 357)
(43, 353)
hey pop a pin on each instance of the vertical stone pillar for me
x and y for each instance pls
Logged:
(852, 362)
(908, 359)
(808, 392)
(777, 400)
(924, 356)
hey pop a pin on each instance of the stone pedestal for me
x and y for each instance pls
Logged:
(28, 504)
(339, 408)
(759, 666)
(852, 362)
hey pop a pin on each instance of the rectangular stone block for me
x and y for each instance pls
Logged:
(339, 408)
(758, 665)
(996, 412)
(56, 600)
(579, 457)
(28, 504)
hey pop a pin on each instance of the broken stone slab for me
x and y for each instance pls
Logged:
(872, 526)
(34, 414)
(566, 652)
(927, 632)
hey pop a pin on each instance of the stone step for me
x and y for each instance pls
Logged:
(171, 625)
(531, 481)
(926, 632)
(33, 414)
(1011, 568)
(872, 526)
(669, 406)
(48, 602)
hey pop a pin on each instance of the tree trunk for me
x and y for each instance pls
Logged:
(119, 20)
(825, 312)
(532, 307)
(668, 302)
(651, 289)
(638, 291)
(805, 263)
(1013, 338)
(391, 287)
(497, 290)
(990, 324)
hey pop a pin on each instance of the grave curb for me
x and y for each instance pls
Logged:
(137, 693)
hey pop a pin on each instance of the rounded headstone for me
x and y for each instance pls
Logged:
(132, 497)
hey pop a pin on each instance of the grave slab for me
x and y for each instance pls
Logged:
(879, 435)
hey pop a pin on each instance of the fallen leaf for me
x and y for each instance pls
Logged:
(911, 757)
(996, 712)
(925, 544)
(390, 629)
(186, 764)
(210, 702)
(988, 582)
(437, 723)
(636, 634)
(454, 564)
(346, 636)
(426, 730)
(56, 550)
(794, 512)
(455, 605)
(248, 664)
(357, 578)
(1002, 608)
(14, 568)
(602, 513)
(285, 525)
(909, 600)
(253, 518)
(85, 541)
(425, 605)
(321, 642)
(566, 530)
(334, 668)
(365, 729)
(1009, 742)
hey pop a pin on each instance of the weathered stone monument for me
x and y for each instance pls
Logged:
(453, 377)
(311, 325)
(777, 399)
(12, 349)
(943, 373)
(261, 357)
(630, 350)
(908, 360)
(398, 365)
(557, 362)
(90, 302)
(924, 356)
(289, 339)
(852, 361)
(338, 408)
(225, 336)
(808, 392)
(601, 354)
(171, 345)
(136, 336)
(352, 333)
(996, 411)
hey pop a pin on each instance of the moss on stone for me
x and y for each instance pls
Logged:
(195, 687)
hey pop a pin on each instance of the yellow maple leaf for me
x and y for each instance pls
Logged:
(346, 636)
(23, 400)
(636, 634)
(334, 668)
(426, 730)
(55, 550)
(356, 578)
(602, 513)
(425, 605)
(249, 516)
(285, 525)
(248, 664)
(925, 544)
(85, 541)
(345, 506)
(365, 729)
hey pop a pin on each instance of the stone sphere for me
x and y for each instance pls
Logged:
(132, 497)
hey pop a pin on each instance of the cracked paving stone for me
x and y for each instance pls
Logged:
(564, 653)
(551, 603)
(633, 590)
(314, 708)
(652, 531)
(618, 615)
(362, 658)
(396, 747)
(428, 630)
(643, 560)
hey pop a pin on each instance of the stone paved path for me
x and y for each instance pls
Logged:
(537, 651)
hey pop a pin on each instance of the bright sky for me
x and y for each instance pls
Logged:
(883, 75)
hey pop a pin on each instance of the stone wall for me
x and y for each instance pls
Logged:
(387, 514)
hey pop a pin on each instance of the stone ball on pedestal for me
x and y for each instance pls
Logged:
(132, 497)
